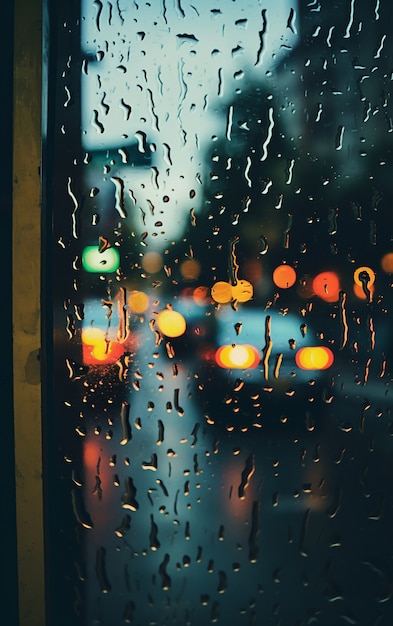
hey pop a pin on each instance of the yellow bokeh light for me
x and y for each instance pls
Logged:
(190, 269)
(314, 358)
(96, 346)
(243, 291)
(240, 356)
(222, 292)
(171, 323)
(365, 270)
(101, 351)
(138, 301)
(93, 336)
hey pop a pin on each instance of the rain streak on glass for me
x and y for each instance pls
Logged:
(220, 391)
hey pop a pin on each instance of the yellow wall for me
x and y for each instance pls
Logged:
(26, 309)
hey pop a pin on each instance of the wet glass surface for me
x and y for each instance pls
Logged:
(220, 424)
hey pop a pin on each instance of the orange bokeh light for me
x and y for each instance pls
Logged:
(201, 295)
(359, 291)
(237, 356)
(97, 350)
(91, 454)
(314, 358)
(284, 276)
(190, 269)
(222, 292)
(327, 286)
(138, 301)
(387, 263)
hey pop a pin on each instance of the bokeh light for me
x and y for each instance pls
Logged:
(222, 292)
(327, 286)
(138, 301)
(201, 295)
(364, 271)
(387, 263)
(96, 349)
(238, 356)
(190, 269)
(314, 358)
(152, 262)
(91, 454)
(243, 291)
(94, 261)
(171, 323)
(360, 293)
(284, 276)
(92, 336)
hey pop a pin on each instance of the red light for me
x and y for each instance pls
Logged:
(327, 286)
(97, 350)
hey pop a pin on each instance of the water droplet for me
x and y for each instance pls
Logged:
(153, 537)
(119, 195)
(152, 464)
(222, 582)
(247, 474)
(128, 498)
(254, 532)
(161, 429)
(194, 433)
(124, 526)
(304, 533)
(82, 516)
(128, 613)
(166, 581)
(101, 570)
(125, 423)
(176, 403)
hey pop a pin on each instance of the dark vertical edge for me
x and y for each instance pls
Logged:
(58, 518)
(8, 553)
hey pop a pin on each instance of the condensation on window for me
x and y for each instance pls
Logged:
(222, 253)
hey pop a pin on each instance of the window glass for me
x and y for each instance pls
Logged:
(219, 415)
